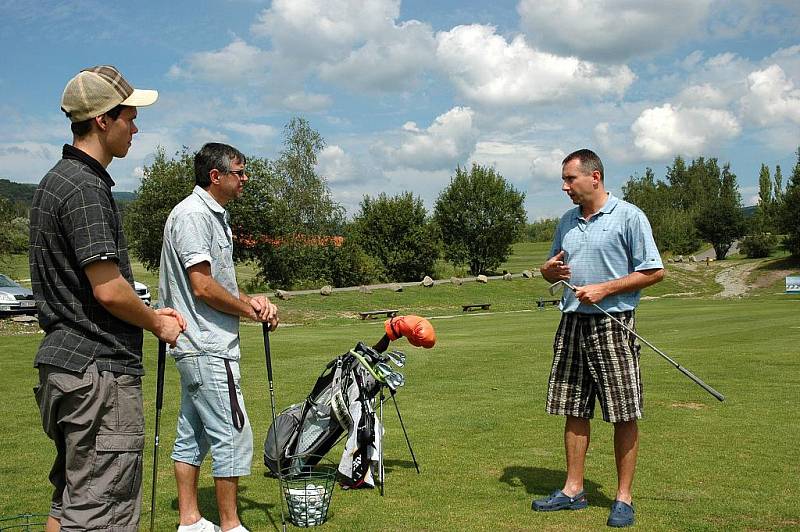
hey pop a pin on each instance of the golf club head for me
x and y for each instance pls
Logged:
(556, 288)
(398, 358)
(383, 370)
(395, 380)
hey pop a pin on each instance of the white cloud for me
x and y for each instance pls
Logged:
(236, 63)
(316, 29)
(306, 101)
(705, 95)
(663, 132)
(611, 30)
(487, 69)
(258, 132)
(771, 97)
(337, 166)
(444, 144)
(27, 161)
(526, 164)
(391, 61)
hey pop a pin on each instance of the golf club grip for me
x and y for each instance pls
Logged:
(700, 383)
(162, 360)
(267, 353)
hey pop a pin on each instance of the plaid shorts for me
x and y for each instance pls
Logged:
(595, 357)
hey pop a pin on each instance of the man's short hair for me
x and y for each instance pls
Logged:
(589, 161)
(214, 155)
(82, 128)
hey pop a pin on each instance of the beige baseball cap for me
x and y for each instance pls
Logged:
(99, 89)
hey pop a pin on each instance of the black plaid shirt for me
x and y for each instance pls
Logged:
(74, 222)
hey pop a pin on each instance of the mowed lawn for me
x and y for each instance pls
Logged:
(473, 407)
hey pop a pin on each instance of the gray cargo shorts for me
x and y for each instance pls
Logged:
(96, 421)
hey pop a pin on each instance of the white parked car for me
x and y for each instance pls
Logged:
(15, 299)
(142, 291)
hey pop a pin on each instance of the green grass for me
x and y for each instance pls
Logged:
(473, 407)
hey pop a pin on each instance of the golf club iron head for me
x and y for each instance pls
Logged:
(556, 288)
(395, 380)
(398, 358)
(383, 370)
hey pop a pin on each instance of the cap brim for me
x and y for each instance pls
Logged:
(141, 98)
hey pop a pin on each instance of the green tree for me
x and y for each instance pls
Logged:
(790, 215)
(165, 183)
(543, 230)
(668, 209)
(396, 232)
(289, 217)
(721, 220)
(480, 216)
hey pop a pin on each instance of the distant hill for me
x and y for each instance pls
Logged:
(22, 193)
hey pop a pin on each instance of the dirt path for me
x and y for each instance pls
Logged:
(734, 279)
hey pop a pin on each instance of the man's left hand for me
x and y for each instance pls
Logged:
(265, 311)
(591, 294)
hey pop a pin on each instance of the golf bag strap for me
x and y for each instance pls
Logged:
(236, 410)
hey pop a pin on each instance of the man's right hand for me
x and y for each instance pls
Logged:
(555, 269)
(169, 325)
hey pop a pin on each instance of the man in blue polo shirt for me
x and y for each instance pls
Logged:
(605, 248)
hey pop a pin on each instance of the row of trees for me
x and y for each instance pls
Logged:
(700, 202)
(287, 222)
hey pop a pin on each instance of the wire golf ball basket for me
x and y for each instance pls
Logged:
(307, 490)
(24, 522)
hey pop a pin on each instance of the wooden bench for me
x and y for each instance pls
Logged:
(542, 303)
(389, 313)
(482, 306)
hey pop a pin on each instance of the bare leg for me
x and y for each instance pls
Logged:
(626, 448)
(226, 488)
(53, 524)
(576, 443)
(186, 477)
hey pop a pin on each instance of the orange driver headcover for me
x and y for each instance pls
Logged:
(416, 329)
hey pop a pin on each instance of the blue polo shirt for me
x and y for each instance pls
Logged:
(198, 230)
(614, 242)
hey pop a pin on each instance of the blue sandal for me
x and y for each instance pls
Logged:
(621, 515)
(559, 501)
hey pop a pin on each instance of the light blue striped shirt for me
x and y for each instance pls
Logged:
(614, 242)
(197, 230)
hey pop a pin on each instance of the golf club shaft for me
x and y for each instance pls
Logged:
(680, 368)
(403, 426)
(268, 355)
(381, 473)
(162, 360)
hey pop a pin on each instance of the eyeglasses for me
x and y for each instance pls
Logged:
(239, 173)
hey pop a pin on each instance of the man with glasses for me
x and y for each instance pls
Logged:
(198, 278)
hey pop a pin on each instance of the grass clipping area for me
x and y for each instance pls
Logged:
(474, 410)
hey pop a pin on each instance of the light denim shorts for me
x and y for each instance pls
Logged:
(206, 418)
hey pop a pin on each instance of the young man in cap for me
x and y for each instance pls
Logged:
(199, 280)
(90, 360)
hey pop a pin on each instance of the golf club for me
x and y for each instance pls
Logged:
(265, 329)
(559, 285)
(162, 359)
(398, 358)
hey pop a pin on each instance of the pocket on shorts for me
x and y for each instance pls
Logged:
(117, 467)
(129, 407)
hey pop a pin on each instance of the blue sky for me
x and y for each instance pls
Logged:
(403, 92)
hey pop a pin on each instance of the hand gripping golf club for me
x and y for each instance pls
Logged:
(556, 287)
(265, 329)
(162, 359)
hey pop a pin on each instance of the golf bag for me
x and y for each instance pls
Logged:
(340, 403)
